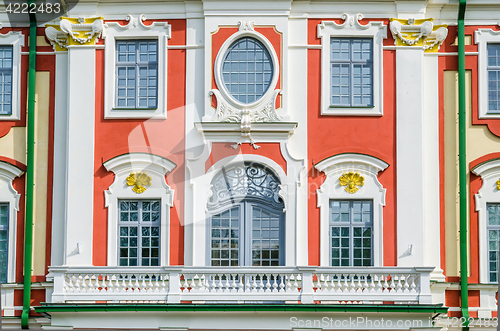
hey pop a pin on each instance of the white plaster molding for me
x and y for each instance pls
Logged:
(9, 195)
(71, 30)
(16, 40)
(200, 186)
(483, 37)
(156, 167)
(135, 29)
(368, 167)
(246, 132)
(421, 31)
(489, 171)
(231, 110)
(351, 27)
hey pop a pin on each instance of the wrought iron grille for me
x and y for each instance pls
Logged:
(243, 181)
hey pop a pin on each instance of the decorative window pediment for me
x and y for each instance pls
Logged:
(360, 173)
(138, 176)
(351, 66)
(246, 71)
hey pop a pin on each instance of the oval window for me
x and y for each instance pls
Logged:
(247, 70)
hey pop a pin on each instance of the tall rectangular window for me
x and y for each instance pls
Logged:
(493, 78)
(139, 233)
(136, 74)
(351, 225)
(493, 240)
(6, 80)
(351, 64)
(4, 240)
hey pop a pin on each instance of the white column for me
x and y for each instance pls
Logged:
(59, 181)
(297, 144)
(195, 100)
(80, 155)
(432, 229)
(410, 156)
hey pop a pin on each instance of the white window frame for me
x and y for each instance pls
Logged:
(16, 40)
(266, 97)
(135, 30)
(488, 193)
(9, 195)
(351, 28)
(483, 37)
(156, 167)
(334, 167)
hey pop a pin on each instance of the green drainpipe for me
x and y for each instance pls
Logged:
(28, 237)
(464, 290)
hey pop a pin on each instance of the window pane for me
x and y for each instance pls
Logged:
(139, 233)
(351, 72)
(225, 237)
(247, 70)
(265, 238)
(4, 240)
(351, 244)
(493, 240)
(137, 65)
(6, 80)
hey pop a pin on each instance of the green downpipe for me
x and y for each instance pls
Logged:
(28, 237)
(464, 286)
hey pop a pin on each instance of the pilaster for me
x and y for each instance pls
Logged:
(418, 227)
(76, 37)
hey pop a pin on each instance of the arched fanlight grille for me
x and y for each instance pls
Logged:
(248, 180)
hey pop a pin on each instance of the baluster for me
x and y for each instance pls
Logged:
(281, 286)
(254, 282)
(227, 285)
(379, 283)
(412, 284)
(163, 285)
(288, 283)
(212, 283)
(268, 282)
(346, 282)
(359, 287)
(318, 283)
(406, 284)
(241, 282)
(84, 285)
(220, 285)
(143, 285)
(248, 280)
(262, 286)
(156, 283)
(275, 282)
(68, 284)
(296, 283)
(333, 283)
(150, 283)
(366, 287)
(234, 284)
(130, 284)
(386, 284)
(353, 284)
(399, 284)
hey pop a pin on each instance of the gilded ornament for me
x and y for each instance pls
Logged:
(138, 180)
(498, 184)
(351, 180)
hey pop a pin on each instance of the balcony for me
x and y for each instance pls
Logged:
(241, 284)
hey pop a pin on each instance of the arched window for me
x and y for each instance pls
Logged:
(246, 218)
(247, 70)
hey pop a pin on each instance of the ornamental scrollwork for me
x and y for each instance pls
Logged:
(351, 181)
(421, 32)
(498, 184)
(248, 180)
(74, 31)
(138, 180)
